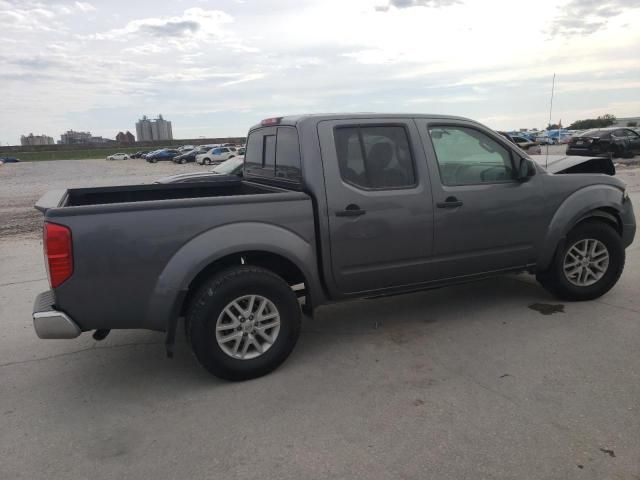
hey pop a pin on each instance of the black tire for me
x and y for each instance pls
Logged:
(555, 280)
(183, 161)
(206, 161)
(212, 298)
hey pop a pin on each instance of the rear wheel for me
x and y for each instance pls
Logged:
(588, 265)
(243, 323)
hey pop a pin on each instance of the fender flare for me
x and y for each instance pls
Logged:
(585, 203)
(173, 282)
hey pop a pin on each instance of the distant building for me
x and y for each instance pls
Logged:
(125, 137)
(157, 129)
(71, 137)
(32, 139)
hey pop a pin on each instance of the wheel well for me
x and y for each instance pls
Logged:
(278, 264)
(606, 215)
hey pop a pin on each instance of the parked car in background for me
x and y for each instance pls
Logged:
(8, 160)
(524, 143)
(166, 154)
(216, 155)
(554, 137)
(138, 154)
(185, 148)
(227, 169)
(612, 141)
(190, 156)
(241, 150)
(118, 156)
(186, 157)
(145, 155)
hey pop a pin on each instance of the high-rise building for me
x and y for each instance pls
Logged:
(32, 139)
(158, 129)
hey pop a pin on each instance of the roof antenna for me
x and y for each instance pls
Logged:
(553, 86)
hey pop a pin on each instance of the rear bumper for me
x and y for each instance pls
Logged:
(51, 323)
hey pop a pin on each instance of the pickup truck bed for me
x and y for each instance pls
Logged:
(139, 232)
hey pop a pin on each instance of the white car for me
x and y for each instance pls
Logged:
(118, 156)
(216, 155)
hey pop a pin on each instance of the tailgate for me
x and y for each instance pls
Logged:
(51, 199)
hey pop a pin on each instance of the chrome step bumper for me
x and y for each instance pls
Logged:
(49, 322)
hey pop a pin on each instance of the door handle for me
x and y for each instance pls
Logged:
(450, 202)
(352, 210)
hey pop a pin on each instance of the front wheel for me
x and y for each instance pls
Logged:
(183, 161)
(206, 161)
(588, 265)
(243, 323)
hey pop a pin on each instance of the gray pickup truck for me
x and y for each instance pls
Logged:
(329, 208)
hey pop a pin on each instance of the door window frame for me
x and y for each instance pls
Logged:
(359, 126)
(500, 141)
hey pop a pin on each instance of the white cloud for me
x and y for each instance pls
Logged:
(85, 7)
(194, 23)
(584, 17)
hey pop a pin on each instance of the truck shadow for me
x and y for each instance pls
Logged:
(135, 361)
(500, 299)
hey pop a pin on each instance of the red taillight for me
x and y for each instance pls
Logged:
(58, 252)
(271, 121)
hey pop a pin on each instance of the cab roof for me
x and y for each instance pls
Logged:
(295, 120)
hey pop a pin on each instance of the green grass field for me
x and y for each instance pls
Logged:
(71, 154)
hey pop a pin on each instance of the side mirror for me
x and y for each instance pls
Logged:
(525, 169)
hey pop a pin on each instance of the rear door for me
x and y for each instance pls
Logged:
(379, 205)
(485, 219)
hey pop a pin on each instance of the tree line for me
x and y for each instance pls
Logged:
(605, 120)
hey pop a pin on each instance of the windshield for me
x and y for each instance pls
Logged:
(594, 133)
(227, 168)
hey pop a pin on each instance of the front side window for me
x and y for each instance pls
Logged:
(375, 157)
(468, 157)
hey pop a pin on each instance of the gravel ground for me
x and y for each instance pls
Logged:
(22, 184)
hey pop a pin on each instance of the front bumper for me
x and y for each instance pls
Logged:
(51, 323)
(628, 223)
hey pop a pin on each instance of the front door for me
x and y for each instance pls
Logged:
(485, 219)
(379, 204)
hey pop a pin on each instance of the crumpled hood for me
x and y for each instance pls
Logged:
(560, 163)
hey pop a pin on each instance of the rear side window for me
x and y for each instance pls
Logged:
(273, 152)
(269, 152)
(376, 157)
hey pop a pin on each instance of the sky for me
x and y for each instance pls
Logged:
(216, 67)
